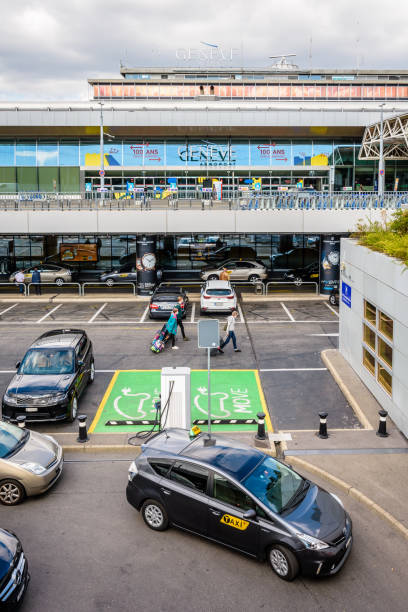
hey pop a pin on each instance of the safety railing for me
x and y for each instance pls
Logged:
(293, 283)
(14, 287)
(99, 285)
(258, 285)
(39, 286)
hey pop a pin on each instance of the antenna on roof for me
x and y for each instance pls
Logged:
(282, 64)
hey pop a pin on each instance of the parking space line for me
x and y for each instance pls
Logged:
(49, 313)
(241, 316)
(294, 370)
(142, 318)
(287, 312)
(7, 309)
(92, 319)
(332, 309)
(322, 334)
(192, 313)
(103, 402)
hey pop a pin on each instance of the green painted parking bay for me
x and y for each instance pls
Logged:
(236, 395)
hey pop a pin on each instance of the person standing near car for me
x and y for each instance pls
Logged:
(19, 280)
(230, 333)
(36, 280)
(180, 311)
(171, 328)
(224, 274)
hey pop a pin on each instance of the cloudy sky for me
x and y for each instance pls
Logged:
(48, 48)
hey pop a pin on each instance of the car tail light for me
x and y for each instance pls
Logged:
(230, 297)
(153, 307)
(206, 297)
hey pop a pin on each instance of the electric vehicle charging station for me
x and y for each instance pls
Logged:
(175, 397)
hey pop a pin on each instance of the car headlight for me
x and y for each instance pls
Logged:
(311, 542)
(132, 471)
(35, 468)
(58, 397)
(10, 399)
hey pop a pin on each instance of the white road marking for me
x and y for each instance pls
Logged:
(332, 309)
(7, 309)
(192, 313)
(287, 312)
(241, 316)
(294, 370)
(49, 313)
(92, 319)
(133, 322)
(290, 322)
(142, 318)
(322, 334)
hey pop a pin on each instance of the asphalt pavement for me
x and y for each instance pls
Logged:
(89, 550)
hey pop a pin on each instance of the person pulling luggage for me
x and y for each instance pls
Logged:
(180, 311)
(230, 333)
(171, 328)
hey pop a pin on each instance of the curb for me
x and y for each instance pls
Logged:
(346, 392)
(86, 446)
(351, 491)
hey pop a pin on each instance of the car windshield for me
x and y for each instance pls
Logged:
(48, 361)
(274, 484)
(218, 292)
(11, 438)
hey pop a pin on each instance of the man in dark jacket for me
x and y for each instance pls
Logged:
(180, 311)
(36, 280)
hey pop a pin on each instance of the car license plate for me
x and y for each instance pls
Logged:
(166, 306)
(348, 542)
(31, 409)
(215, 303)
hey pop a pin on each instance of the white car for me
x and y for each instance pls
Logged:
(218, 296)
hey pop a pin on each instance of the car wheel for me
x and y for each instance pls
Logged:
(283, 562)
(213, 277)
(59, 281)
(110, 282)
(11, 492)
(155, 515)
(91, 373)
(73, 409)
(333, 300)
(202, 312)
(253, 278)
(298, 281)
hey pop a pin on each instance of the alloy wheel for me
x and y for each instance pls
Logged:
(279, 562)
(154, 516)
(10, 493)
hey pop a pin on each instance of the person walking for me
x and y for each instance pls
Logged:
(230, 333)
(180, 311)
(19, 280)
(36, 280)
(171, 328)
(224, 274)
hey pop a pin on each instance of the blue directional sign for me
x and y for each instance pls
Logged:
(346, 294)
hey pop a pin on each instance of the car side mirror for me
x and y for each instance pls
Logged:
(250, 514)
(18, 364)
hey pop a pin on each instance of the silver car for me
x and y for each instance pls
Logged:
(239, 270)
(50, 273)
(30, 463)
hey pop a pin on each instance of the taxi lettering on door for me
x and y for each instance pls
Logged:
(233, 521)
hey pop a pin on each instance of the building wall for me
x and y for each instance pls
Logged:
(383, 282)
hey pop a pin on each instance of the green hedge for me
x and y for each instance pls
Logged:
(390, 238)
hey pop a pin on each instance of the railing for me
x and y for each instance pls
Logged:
(56, 285)
(97, 285)
(258, 285)
(322, 201)
(293, 283)
(16, 287)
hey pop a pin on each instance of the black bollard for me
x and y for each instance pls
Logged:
(260, 435)
(382, 425)
(21, 421)
(323, 425)
(82, 433)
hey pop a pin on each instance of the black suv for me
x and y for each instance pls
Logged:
(51, 377)
(14, 576)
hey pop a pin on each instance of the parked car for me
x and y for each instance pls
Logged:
(309, 274)
(217, 296)
(231, 252)
(164, 300)
(334, 296)
(51, 377)
(238, 496)
(240, 270)
(293, 259)
(50, 273)
(123, 274)
(30, 463)
(14, 575)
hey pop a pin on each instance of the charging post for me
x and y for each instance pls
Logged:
(209, 338)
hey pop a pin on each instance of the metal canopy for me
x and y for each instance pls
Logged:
(395, 136)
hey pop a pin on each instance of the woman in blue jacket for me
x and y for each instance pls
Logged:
(171, 328)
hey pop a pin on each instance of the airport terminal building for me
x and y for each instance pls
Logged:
(192, 134)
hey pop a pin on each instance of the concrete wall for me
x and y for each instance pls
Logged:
(182, 221)
(383, 281)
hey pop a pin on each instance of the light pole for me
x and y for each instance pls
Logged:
(101, 155)
(381, 172)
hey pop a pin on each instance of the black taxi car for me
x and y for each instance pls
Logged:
(238, 496)
(51, 377)
(164, 299)
(14, 575)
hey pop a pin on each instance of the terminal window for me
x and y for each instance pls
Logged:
(378, 330)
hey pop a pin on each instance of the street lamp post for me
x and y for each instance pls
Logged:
(381, 172)
(101, 155)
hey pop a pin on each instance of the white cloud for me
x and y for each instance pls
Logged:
(49, 48)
